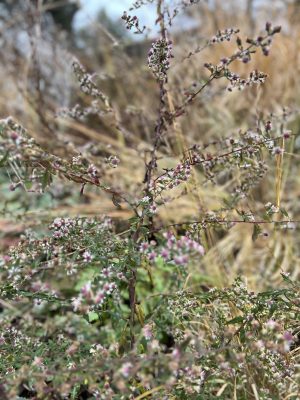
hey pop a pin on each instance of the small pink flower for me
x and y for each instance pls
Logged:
(147, 332)
(165, 254)
(76, 303)
(86, 290)
(278, 150)
(287, 134)
(152, 255)
(143, 247)
(106, 287)
(271, 324)
(176, 354)
(14, 135)
(126, 369)
(179, 260)
(287, 336)
(87, 257)
(6, 258)
(100, 296)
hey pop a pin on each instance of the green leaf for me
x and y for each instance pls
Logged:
(117, 201)
(284, 212)
(46, 179)
(28, 184)
(140, 314)
(243, 335)
(266, 217)
(4, 159)
(93, 316)
(228, 202)
(85, 277)
(256, 232)
(236, 320)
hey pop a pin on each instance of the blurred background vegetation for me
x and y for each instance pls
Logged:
(38, 40)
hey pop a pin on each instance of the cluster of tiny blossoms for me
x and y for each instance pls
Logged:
(269, 345)
(224, 35)
(87, 85)
(176, 251)
(94, 294)
(113, 161)
(91, 170)
(220, 37)
(15, 145)
(243, 153)
(63, 227)
(271, 209)
(80, 113)
(148, 205)
(243, 54)
(172, 178)
(32, 168)
(184, 306)
(13, 140)
(236, 82)
(132, 22)
(167, 181)
(265, 43)
(159, 58)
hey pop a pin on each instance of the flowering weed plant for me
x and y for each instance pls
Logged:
(102, 308)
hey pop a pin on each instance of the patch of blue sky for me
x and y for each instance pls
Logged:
(113, 8)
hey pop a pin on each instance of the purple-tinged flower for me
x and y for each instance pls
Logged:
(113, 161)
(120, 276)
(100, 297)
(38, 361)
(106, 287)
(132, 22)
(92, 170)
(57, 235)
(158, 58)
(287, 336)
(76, 303)
(87, 257)
(6, 258)
(14, 135)
(288, 339)
(144, 247)
(165, 254)
(278, 150)
(199, 249)
(287, 134)
(271, 324)
(153, 209)
(145, 200)
(58, 222)
(106, 272)
(176, 354)
(147, 332)
(87, 291)
(126, 369)
(152, 255)
(179, 260)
